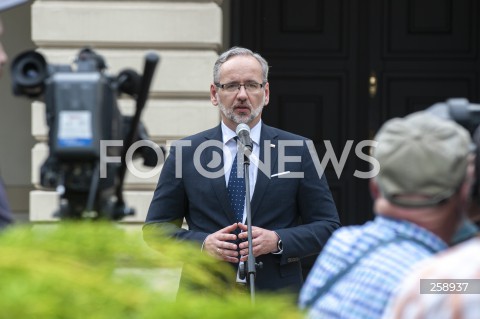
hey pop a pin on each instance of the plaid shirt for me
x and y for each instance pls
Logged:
(365, 289)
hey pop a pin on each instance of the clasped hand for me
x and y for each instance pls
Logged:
(219, 244)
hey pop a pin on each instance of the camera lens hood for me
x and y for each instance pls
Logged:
(29, 71)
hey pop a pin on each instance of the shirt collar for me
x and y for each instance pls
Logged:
(410, 230)
(228, 134)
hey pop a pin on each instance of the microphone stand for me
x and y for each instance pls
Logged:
(251, 265)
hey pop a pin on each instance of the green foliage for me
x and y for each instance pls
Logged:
(103, 270)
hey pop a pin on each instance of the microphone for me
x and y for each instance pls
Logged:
(243, 133)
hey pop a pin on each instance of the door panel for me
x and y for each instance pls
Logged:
(408, 92)
(429, 28)
(290, 28)
(423, 52)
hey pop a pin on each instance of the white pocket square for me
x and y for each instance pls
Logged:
(280, 174)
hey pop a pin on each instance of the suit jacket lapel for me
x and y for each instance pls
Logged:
(263, 178)
(218, 183)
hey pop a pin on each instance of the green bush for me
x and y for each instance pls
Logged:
(101, 270)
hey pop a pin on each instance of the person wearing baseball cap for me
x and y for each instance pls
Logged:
(5, 213)
(420, 195)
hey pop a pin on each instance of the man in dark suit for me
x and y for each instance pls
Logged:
(5, 213)
(293, 213)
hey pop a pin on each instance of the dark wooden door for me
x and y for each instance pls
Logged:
(340, 68)
(422, 52)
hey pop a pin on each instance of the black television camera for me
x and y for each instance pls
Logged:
(82, 111)
(466, 114)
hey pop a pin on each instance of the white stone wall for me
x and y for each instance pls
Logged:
(187, 36)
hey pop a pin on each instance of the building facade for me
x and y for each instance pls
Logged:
(186, 35)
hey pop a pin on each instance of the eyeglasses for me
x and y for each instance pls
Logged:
(250, 87)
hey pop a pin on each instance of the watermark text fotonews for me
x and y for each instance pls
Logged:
(216, 149)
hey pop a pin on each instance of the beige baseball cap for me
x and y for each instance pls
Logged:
(423, 159)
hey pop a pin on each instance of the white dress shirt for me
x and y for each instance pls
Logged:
(230, 151)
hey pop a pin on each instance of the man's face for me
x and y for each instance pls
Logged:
(3, 54)
(242, 105)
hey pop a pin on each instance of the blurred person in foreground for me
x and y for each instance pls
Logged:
(420, 196)
(292, 216)
(6, 217)
(450, 287)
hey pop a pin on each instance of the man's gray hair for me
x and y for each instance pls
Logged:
(235, 51)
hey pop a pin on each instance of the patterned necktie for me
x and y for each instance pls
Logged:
(236, 191)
